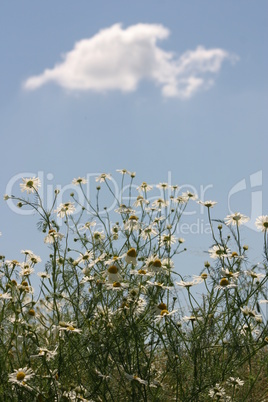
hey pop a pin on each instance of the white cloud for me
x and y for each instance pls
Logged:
(118, 59)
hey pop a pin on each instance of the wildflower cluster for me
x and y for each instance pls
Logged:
(114, 318)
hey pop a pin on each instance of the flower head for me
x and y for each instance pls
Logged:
(102, 177)
(67, 208)
(262, 223)
(79, 180)
(236, 219)
(30, 185)
(21, 376)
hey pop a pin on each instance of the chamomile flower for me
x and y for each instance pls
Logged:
(217, 392)
(21, 376)
(163, 186)
(131, 256)
(167, 240)
(123, 209)
(189, 195)
(64, 209)
(188, 284)
(98, 237)
(84, 258)
(140, 201)
(132, 223)
(26, 269)
(79, 180)
(44, 275)
(164, 314)
(248, 311)
(148, 232)
(208, 204)
(154, 265)
(5, 296)
(131, 377)
(159, 285)
(144, 187)
(117, 286)
(30, 185)
(235, 381)
(123, 171)
(262, 223)
(229, 274)
(225, 284)
(236, 219)
(219, 252)
(103, 177)
(160, 203)
(113, 274)
(52, 236)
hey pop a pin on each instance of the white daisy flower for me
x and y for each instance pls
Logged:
(21, 376)
(88, 225)
(236, 219)
(189, 195)
(160, 203)
(103, 177)
(98, 236)
(64, 209)
(229, 274)
(132, 223)
(131, 377)
(44, 275)
(140, 201)
(167, 240)
(144, 187)
(123, 209)
(131, 256)
(79, 180)
(163, 186)
(117, 286)
(225, 284)
(219, 252)
(88, 255)
(30, 185)
(52, 236)
(113, 274)
(164, 313)
(208, 204)
(148, 232)
(262, 223)
(188, 284)
(154, 265)
(235, 381)
(5, 296)
(123, 171)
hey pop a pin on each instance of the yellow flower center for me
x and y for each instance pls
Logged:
(20, 375)
(112, 269)
(224, 282)
(24, 283)
(71, 328)
(204, 275)
(132, 253)
(157, 263)
(234, 254)
(164, 311)
(31, 312)
(265, 225)
(142, 272)
(29, 183)
(133, 218)
(116, 284)
(162, 306)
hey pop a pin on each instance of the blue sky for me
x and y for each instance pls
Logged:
(154, 122)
